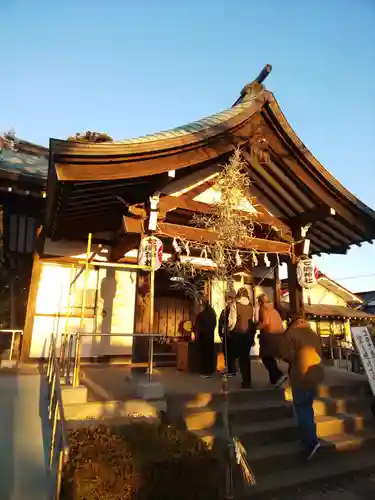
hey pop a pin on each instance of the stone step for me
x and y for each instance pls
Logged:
(335, 465)
(264, 459)
(248, 412)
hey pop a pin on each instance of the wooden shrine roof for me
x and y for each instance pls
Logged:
(330, 311)
(89, 183)
(22, 164)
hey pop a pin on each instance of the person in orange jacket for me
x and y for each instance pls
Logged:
(271, 329)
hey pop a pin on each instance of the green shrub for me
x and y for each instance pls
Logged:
(140, 462)
(91, 137)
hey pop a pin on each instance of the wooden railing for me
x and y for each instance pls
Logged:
(58, 446)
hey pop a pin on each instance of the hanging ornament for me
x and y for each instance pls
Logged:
(254, 260)
(278, 259)
(221, 259)
(238, 259)
(176, 246)
(187, 249)
(204, 253)
(267, 260)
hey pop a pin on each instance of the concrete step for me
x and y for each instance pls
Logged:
(165, 363)
(108, 410)
(341, 391)
(262, 411)
(286, 430)
(335, 464)
(264, 459)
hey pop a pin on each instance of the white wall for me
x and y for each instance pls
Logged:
(116, 296)
(320, 295)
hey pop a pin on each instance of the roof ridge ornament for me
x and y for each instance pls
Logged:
(255, 87)
(8, 141)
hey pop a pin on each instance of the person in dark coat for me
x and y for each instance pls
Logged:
(227, 339)
(204, 329)
(238, 321)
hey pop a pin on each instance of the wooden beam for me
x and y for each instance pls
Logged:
(200, 178)
(184, 202)
(204, 236)
(317, 214)
(124, 244)
(264, 217)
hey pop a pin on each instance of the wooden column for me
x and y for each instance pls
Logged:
(277, 288)
(30, 310)
(142, 317)
(142, 304)
(295, 290)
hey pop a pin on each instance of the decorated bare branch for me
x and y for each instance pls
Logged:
(231, 219)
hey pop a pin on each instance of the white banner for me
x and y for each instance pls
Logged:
(366, 350)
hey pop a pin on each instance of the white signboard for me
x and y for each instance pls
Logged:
(366, 350)
(151, 252)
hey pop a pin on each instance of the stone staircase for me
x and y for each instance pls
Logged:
(263, 419)
(264, 422)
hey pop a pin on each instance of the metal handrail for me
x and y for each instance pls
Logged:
(13, 332)
(56, 416)
(72, 342)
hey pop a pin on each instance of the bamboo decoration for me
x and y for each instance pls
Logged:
(232, 221)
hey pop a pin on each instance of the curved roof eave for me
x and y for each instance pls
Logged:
(185, 146)
(310, 159)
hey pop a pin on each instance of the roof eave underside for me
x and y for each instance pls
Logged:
(292, 183)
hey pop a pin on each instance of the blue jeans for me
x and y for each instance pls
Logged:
(303, 401)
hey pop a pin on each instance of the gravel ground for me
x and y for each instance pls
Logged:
(353, 487)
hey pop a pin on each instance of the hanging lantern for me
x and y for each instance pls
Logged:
(306, 275)
(150, 252)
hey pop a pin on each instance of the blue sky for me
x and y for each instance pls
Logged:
(131, 68)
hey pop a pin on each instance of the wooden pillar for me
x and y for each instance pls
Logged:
(277, 288)
(142, 317)
(295, 290)
(13, 300)
(142, 303)
(30, 310)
